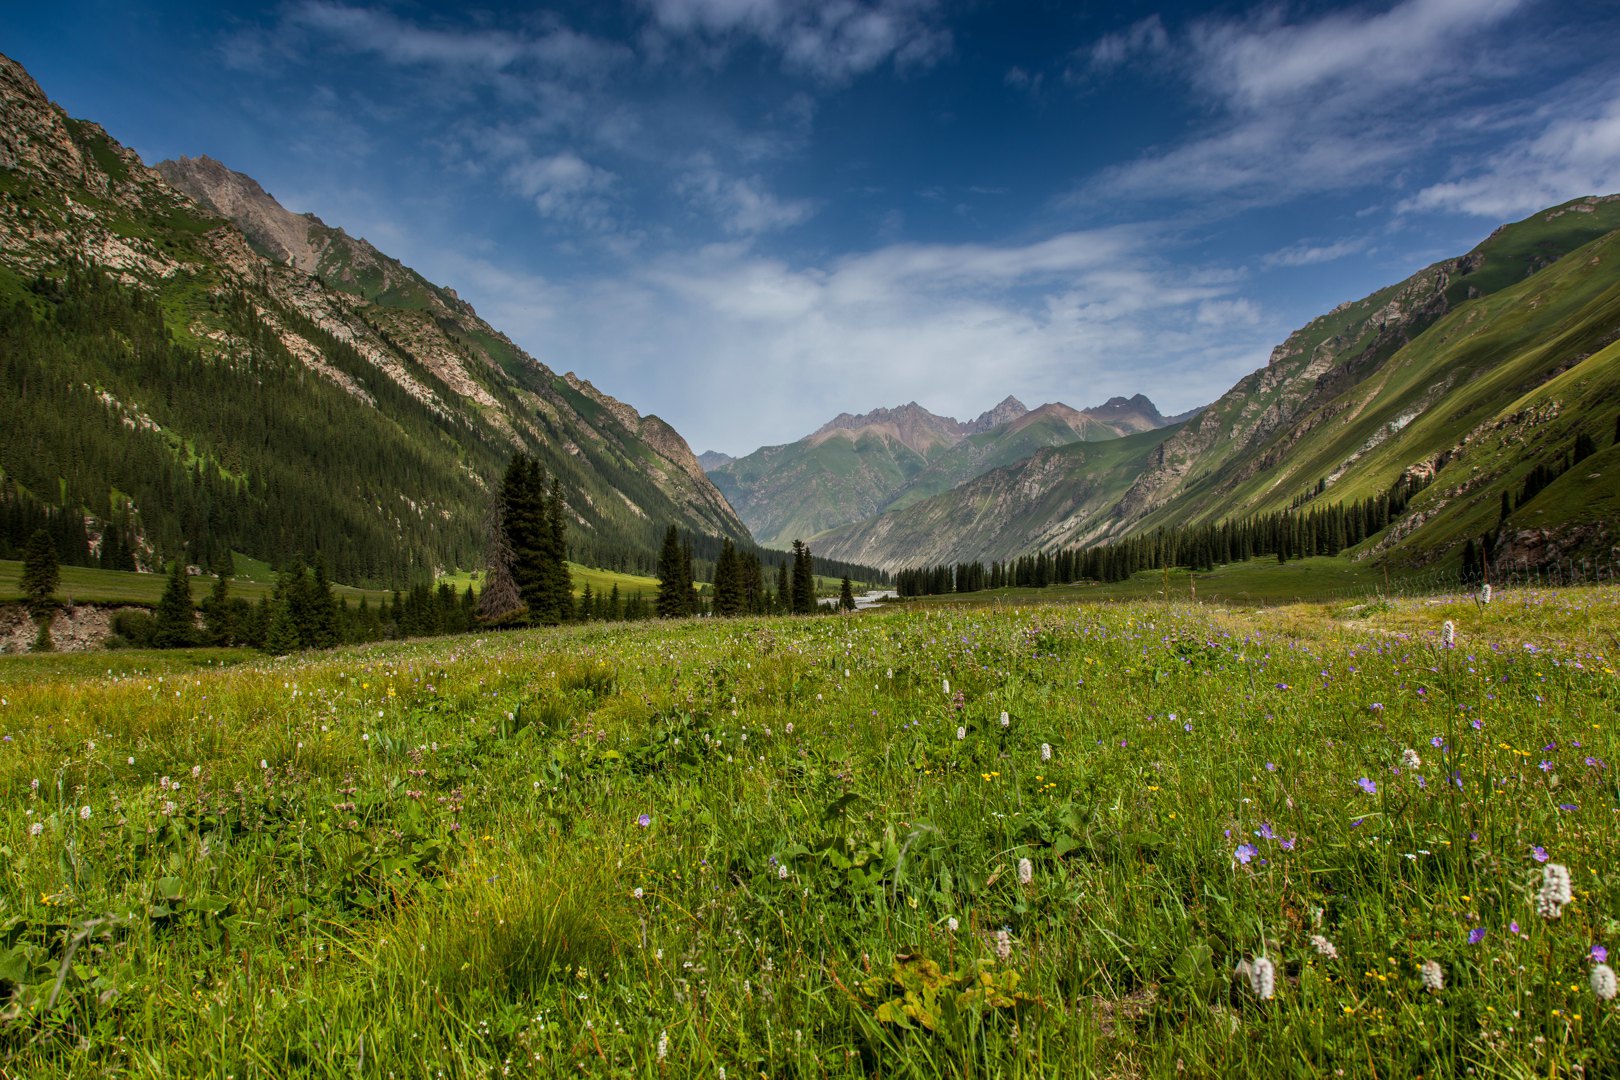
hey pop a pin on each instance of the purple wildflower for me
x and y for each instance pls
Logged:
(1369, 786)
(644, 820)
(1476, 935)
(1599, 955)
(1539, 853)
(1265, 832)
(1245, 852)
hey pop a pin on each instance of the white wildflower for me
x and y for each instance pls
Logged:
(950, 924)
(1003, 945)
(1026, 872)
(1262, 978)
(1434, 976)
(782, 871)
(1448, 634)
(84, 813)
(1323, 946)
(1555, 891)
(663, 1045)
(1410, 759)
(961, 733)
(38, 827)
(1046, 751)
(1485, 593)
(1006, 720)
(789, 728)
(1603, 983)
(637, 893)
(946, 684)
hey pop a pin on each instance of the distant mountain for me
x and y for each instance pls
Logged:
(193, 365)
(1475, 375)
(856, 466)
(713, 459)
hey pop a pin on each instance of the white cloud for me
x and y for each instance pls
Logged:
(741, 204)
(833, 40)
(1324, 104)
(1306, 253)
(566, 187)
(1146, 37)
(1076, 317)
(1573, 156)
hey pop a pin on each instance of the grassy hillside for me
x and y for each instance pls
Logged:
(86, 585)
(813, 848)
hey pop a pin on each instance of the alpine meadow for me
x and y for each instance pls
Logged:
(377, 702)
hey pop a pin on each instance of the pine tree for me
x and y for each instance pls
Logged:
(558, 605)
(784, 591)
(846, 595)
(41, 574)
(728, 584)
(217, 610)
(281, 635)
(804, 580)
(674, 585)
(175, 623)
(500, 601)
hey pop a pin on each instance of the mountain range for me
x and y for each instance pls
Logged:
(857, 466)
(193, 364)
(1474, 377)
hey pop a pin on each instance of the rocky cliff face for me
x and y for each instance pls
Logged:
(195, 235)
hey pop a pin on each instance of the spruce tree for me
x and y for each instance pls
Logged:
(804, 580)
(217, 610)
(672, 581)
(558, 605)
(846, 595)
(728, 584)
(281, 635)
(41, 574)
(784, 591)
(500, 601)
(175, 622)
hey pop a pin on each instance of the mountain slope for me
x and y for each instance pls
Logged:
(1471, 373)
(277, 387)
(856, 466)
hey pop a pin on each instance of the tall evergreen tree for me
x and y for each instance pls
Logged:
(784, 590)
(175, 617)
(41, 573)
(218, 611)
(728, 584)
(804, 580)
(674, 580)
(846, 595)
(500, 601)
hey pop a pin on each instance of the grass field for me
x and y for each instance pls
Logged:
(600, 581)
(1026, 840)
(87, 585)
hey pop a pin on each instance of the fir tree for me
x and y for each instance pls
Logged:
(728, 584)
(784, 591)
(281, 635)
(41, 574)
(176, 625)
(500, 601)
(804, 580)
(674, 582)
(846, 595)
(217, 609)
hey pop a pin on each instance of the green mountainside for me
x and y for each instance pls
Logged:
(1468, 377)
(185, 365)
(855, 467)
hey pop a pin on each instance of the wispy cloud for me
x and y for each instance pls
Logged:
(567, 188)
(742, 205)
(1309, 253)
(1144, 38)
(833, 40)
(1576, 153)
(1308, 106)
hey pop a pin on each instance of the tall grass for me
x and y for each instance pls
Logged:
(764, 848)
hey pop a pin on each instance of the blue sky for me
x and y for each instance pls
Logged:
(747, 216)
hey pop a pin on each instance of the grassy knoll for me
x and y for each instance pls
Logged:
(795, 848)
(600, 581)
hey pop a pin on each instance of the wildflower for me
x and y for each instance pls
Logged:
(637, 893)
(945, 684)
(1026, 872)
(1323, 946)
(1369, 786)
(1262, 978)
(951, 924)
(84, 813)
(1476, 935)
(644, 820)
(1599, 955)
(961, 733)
(1410, 759)
(789, 728)
(1448, 634)
(1485, 593)
(1046, 751)
(1434, 976)
(1554, 892)
(663, 1045)
(1437, 742)
(1005, 720)
(36, 828)
(1245, 852)
(1003, 945)
(1538, 853)
(782, 872)
(1603, 983)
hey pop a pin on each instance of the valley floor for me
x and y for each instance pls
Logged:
(1026, 839)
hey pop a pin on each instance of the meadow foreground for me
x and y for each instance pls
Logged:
(1130, 839)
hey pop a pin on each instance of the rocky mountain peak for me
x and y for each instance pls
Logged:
(277, 232)
(1008, 410)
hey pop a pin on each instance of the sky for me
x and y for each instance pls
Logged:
(747, 216)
